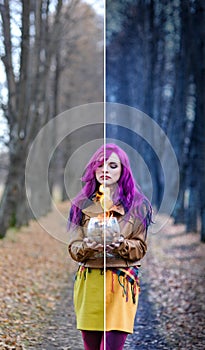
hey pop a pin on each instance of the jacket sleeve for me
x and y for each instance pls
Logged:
(77, 247)
(133, 247)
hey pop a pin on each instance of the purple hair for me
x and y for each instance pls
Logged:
(127, 193)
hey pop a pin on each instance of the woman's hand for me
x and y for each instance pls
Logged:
(115, 244)
(91, 244)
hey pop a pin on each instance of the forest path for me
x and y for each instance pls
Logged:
(36, 283)
(61, 332)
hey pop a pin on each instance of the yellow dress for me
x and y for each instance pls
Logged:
(92, 313)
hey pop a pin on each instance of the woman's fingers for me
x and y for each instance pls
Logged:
(92, 244)
(115, 244)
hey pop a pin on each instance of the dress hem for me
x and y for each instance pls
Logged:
(106, 330)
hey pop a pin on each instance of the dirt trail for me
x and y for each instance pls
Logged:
(36, 282)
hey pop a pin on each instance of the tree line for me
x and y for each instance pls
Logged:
(50, 50)
(156, 63)
(52, 54)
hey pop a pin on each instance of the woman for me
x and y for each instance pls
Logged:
(106, 307)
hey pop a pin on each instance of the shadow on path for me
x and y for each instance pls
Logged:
(146, 334)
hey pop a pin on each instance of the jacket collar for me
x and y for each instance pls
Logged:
(96, 209)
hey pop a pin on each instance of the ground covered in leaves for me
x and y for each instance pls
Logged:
(175, 272)
(34, 270)
(36, 289)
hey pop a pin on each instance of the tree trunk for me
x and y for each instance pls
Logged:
(191, 211)
(200, 107)
(14, 208)
(179, 119)
(179, 211)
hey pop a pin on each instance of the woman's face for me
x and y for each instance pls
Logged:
(109, 172)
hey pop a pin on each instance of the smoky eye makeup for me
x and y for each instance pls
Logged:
(113, 165)
(100, 163)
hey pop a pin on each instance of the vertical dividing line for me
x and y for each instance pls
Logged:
(104, 111)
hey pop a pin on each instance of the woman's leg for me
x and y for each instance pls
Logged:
(115, 340)
(92, 339)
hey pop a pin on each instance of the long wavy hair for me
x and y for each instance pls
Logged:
(127, 193)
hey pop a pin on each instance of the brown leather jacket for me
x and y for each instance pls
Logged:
(130, 251)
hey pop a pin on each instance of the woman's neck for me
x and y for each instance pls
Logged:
(112, 189)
